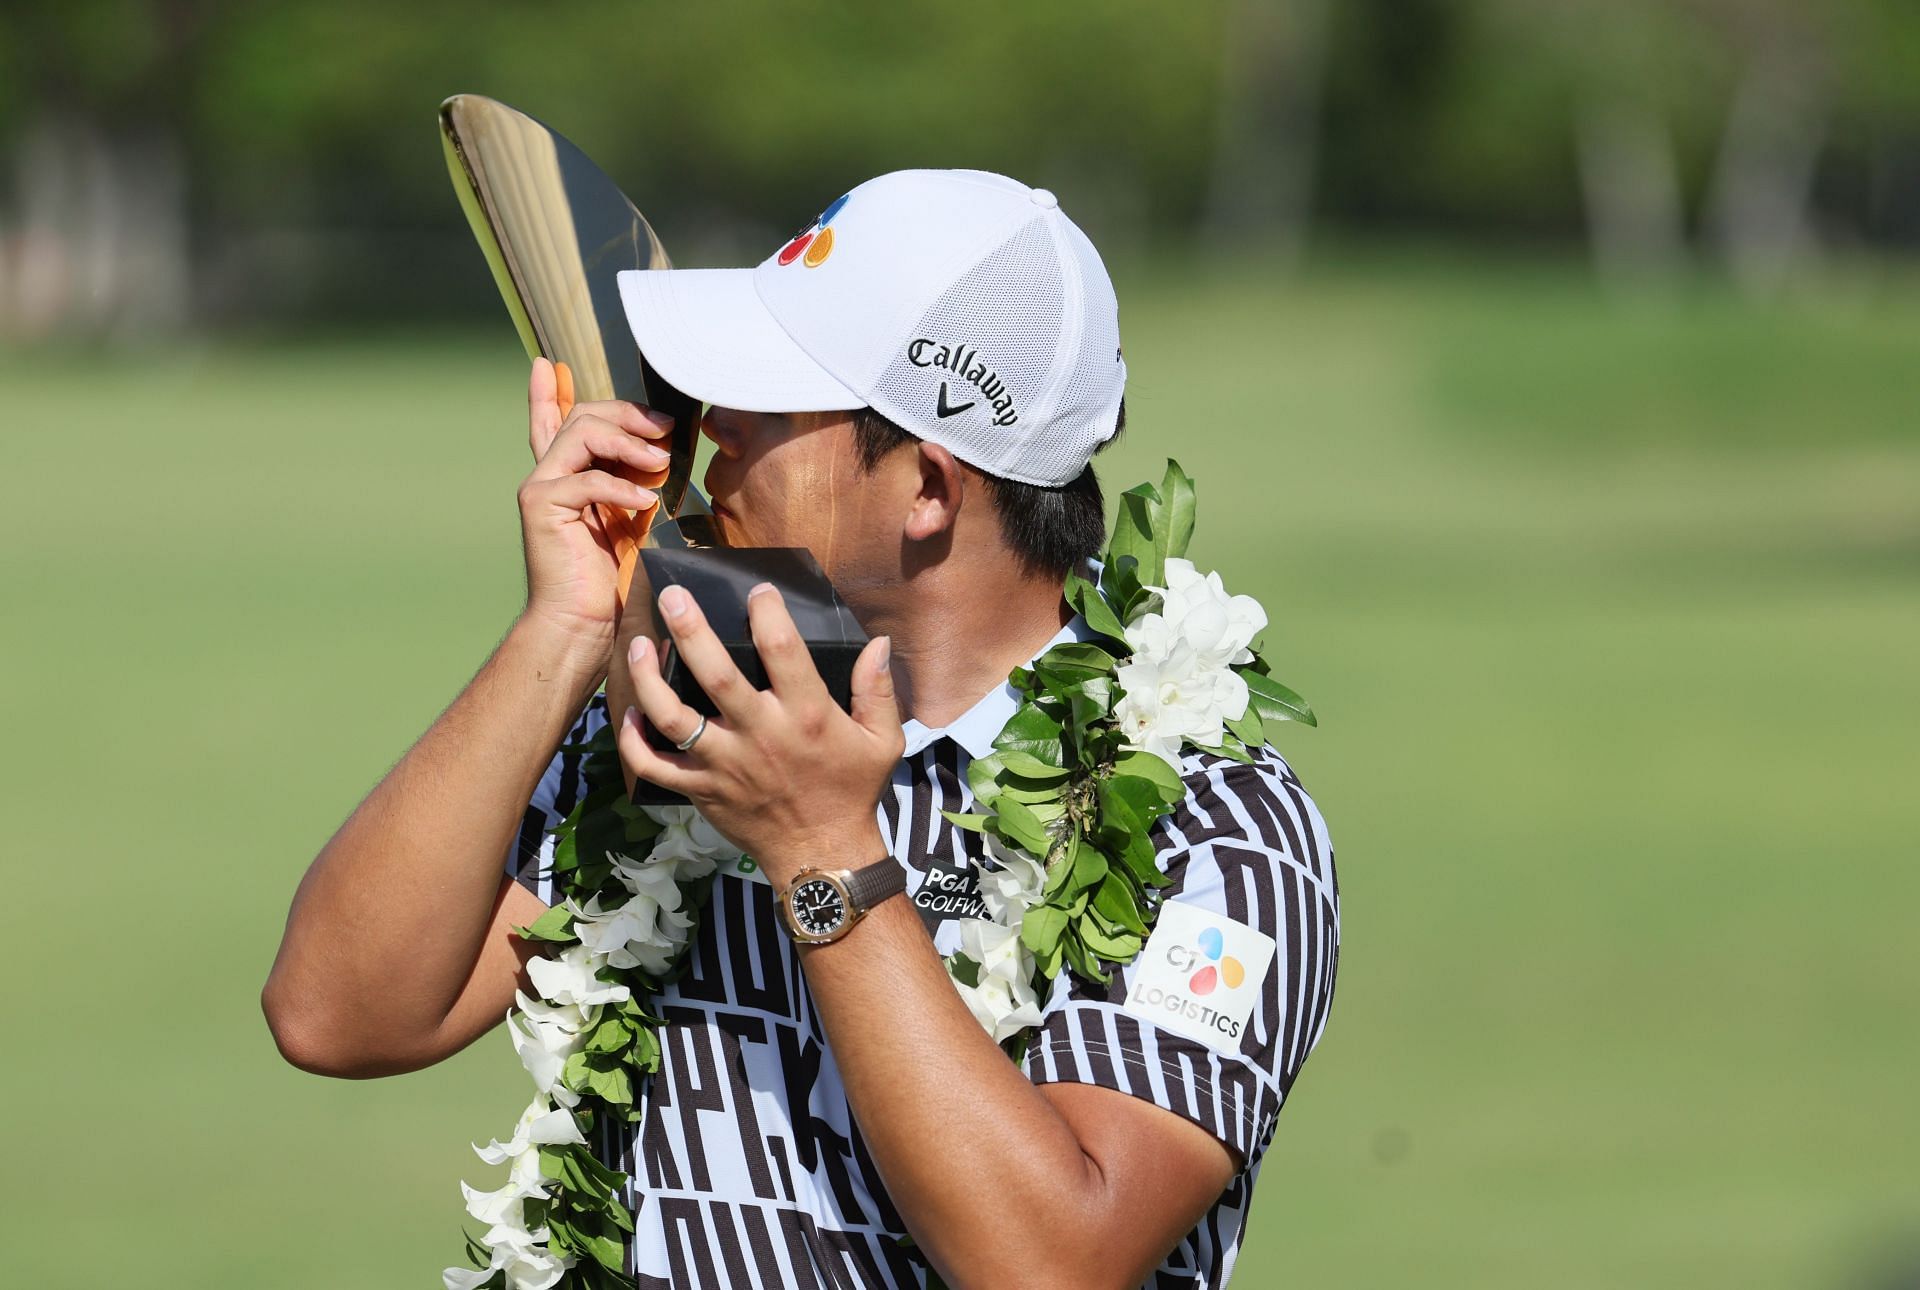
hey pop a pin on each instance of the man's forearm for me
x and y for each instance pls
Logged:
(386, 924)
(989, 1177)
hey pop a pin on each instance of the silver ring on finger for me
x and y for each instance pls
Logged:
(693, 738)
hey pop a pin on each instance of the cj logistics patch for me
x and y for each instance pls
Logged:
(1200, 975)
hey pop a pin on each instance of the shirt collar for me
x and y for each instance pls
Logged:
(975, 729)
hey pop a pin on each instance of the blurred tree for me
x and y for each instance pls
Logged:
(296, 140)
(1273, 65)
(1760, 204)
(96, 95)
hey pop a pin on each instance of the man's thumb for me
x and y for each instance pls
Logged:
(543, 407)
(873, 701)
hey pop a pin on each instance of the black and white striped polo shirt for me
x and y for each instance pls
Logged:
(747, 1166)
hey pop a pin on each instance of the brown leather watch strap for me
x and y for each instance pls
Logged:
(870, 884)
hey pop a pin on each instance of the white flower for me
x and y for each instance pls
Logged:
(688, 841)
(1011, 888)
(545, 1037)
(541, 1125)
(1003, 1001)
(645, 932)
(1218, 627)
(569, 978)
(501, 1208)
(1166, 702)
(537, 1268)
(1179, 686)
(529, 1264)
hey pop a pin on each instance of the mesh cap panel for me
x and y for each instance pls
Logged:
(993, 371)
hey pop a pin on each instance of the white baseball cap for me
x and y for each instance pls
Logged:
(962, 305)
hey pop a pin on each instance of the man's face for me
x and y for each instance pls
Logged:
(794, 479)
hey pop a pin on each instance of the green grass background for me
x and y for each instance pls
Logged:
(1608, 605)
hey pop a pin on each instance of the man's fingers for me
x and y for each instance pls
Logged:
(675, 771)
(874, 706)
(576, 492)
(641, 420)
(586, 438)
(664, 710)
(791, 672)
(706, 657)
(543, 407)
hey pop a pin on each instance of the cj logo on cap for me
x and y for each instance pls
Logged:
(1200, 975)
(814, 243)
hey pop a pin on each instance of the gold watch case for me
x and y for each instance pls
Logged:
(835, 878)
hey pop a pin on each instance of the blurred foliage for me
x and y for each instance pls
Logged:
(1456, 111)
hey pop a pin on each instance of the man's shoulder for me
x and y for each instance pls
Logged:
(1255, 806)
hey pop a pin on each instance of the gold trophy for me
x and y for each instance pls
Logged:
(556, 230)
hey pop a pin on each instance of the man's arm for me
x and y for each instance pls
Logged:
(397, 950)
(1001, 1182)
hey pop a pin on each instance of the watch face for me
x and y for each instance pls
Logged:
(817, 907)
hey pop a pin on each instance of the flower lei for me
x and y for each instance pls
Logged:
(1065, 804)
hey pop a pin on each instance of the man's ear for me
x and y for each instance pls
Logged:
(936, 506)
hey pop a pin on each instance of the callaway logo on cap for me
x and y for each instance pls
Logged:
(963, 305)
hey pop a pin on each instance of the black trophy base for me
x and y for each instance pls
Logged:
(718, 578)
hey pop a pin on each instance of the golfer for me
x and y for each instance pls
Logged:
(912, 388)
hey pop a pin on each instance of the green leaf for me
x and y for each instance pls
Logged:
(1231, 748)
(1033, 792)
(574, 1072)
(645, 1053)
(1093, 606)
(1274, 701)
(1089, 867)
(1047, 962)
(1083, 962)
(1247, 727)
(1115, 901)
(1154, 769)
(1088, 705)
(983, 776)
(612, 1035)
(1133, 534)
(1120, 583)
(1027, 765)
(1042, 927)
(973, 823)
(1033, 732)
(1174, 523)
(1017, 822)
(963, 969)
(610, 1085)
(1141, 862)
(555, 1162)
(1127, 805)
(601, 830)
(1120, 947)
(554, 925)
(1077, 660)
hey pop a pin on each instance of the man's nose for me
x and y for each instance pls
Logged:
(723, 426)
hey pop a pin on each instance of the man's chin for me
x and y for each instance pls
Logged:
(732, 532)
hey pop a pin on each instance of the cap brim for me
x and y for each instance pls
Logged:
(707, 332)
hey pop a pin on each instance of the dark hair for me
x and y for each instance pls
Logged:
(1050, 528)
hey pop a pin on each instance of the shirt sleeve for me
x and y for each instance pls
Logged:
(529, 860)
(1186, 1025)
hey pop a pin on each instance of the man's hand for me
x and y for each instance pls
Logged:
(783, 772)
(571, 568)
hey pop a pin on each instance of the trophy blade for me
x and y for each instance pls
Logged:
(555, 231)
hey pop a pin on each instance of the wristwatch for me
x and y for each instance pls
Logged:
(822, 905)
